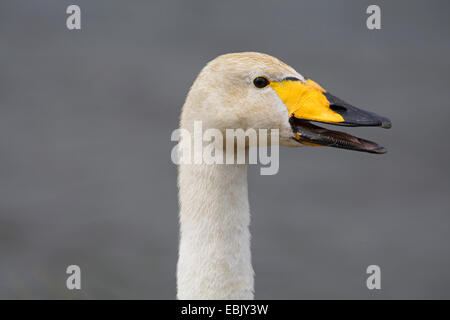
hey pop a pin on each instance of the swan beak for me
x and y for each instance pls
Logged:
(308, 101)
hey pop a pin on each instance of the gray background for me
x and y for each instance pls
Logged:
(85, 124)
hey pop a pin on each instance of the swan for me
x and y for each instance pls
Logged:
(246, 90)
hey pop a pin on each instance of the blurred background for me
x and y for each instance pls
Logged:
(85, 124)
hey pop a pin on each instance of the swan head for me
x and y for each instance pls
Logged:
(252, 90)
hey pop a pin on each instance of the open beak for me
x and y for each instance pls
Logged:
(307, 101)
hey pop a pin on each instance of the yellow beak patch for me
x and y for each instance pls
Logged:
(305, 100)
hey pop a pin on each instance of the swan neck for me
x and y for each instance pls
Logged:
(214, 255)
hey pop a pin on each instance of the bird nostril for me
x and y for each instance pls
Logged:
(339, 109)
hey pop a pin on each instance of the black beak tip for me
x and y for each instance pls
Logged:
(379, 150)
(386, 123)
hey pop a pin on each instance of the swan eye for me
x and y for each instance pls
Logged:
(261, 82)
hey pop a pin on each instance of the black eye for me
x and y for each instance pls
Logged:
(261, 82)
